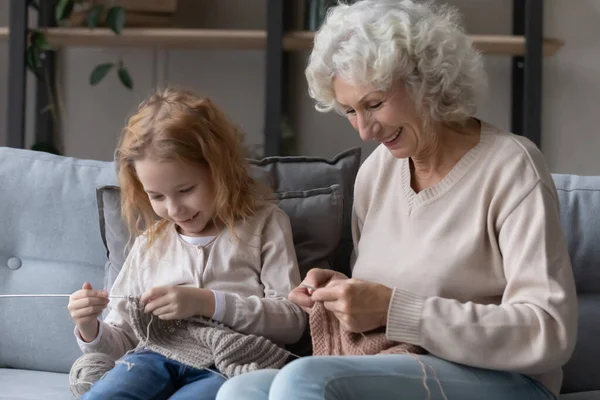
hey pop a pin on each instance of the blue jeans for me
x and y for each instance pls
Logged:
(381, 377)
(153, 377)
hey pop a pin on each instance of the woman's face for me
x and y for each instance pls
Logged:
(386, 117)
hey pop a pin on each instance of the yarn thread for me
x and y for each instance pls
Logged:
(92, 367)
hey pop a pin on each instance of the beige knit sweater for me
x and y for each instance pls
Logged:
(329, 338)
(254, 271)
(202, 343)
(478, 263)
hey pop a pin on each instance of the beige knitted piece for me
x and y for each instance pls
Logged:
(329, 338)
(202, 343)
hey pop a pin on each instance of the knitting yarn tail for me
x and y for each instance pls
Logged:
(87, 370)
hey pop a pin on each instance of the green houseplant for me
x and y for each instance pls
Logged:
(38, 45)
(97, 14)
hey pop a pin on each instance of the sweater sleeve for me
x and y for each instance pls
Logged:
(115, 335)
(533, 329)
(272, 316)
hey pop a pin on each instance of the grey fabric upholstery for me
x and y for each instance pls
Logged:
(580, 217)
(49, 230)
(595, 395)
(19, 384)
(50, 242)
(304, 173)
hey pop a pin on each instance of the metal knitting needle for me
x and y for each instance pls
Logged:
(53, 295)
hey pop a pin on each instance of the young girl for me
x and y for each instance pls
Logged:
(215, 248)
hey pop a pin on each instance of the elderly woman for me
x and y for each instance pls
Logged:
(458, 243)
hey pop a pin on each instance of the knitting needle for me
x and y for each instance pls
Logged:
(310, 288)
(52, 295)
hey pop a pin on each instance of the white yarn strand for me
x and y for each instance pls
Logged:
(53, 295)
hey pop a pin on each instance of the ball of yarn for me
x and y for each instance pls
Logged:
(87, 370)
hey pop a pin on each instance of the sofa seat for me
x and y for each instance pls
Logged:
(20, 384)
(592, 395)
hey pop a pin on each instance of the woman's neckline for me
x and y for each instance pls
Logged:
(455, 174)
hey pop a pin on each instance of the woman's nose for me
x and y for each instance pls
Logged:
(367, 128)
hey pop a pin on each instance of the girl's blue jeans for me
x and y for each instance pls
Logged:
(381, 377)
(155, 377)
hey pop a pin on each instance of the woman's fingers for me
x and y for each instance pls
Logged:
(318, 277)
(300, 296)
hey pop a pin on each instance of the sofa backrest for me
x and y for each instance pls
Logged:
(60, 225)
(49, 244)
(580, 218)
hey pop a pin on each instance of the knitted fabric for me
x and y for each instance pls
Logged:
(202, 343)
(330, 338)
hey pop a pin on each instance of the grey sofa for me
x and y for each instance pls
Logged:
(60, 226)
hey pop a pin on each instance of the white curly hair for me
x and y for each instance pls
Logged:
(375, 42)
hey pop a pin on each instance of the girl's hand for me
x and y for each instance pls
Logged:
(85, 306)
(315, 278)
(179, 302)
(360, 306)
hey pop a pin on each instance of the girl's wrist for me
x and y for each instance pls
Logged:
(89, 332)
(205, 302)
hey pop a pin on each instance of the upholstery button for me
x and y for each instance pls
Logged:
(14, 263)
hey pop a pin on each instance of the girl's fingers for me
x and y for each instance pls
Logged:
(87, 302)
(87, 312)
(155, 304)
(161, 311)
(168, 316)
(82, 294)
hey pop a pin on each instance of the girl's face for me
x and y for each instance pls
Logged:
(180, 192)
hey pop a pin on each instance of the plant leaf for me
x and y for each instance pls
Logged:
(31, 60)
(100, 72)
(38, 40)
(63, 10)
(125, 78)
(116, 19)
(93, 17)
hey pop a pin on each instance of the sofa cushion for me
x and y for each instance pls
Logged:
(293, 173)
(49, 243)
(580, 218)
(315, 216)
(18, 384)
(581, 373)
(579, 198)
(595, 395)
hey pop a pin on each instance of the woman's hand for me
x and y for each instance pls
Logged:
(179, 302)
(315, 278)
(360, 306)
(85, 306)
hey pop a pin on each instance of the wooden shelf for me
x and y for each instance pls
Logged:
(155, 38)
(488, 44)
(241, 39)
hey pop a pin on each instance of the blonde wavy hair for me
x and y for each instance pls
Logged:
(175, 125)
